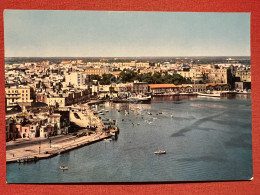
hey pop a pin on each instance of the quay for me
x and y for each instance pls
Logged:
(43, 151)
(35, 149)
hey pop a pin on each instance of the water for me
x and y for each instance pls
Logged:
(206, 140)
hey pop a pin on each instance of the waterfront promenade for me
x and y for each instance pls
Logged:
(40, 148)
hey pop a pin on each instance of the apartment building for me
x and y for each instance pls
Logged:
(18, 94)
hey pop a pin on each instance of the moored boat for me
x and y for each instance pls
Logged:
(160, 152)
(108, 140)
(210, 94)
(64, 168)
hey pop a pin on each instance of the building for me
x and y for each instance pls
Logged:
(77, 79)
(56, 100)
(18, 95)
(220, 76)
(41, 98)
(243, 86)
(194, 76)
(244, 75)
(142, 65)
(201, 88)
(158, 89)
(141, 87)
(66, 62)
(97, 71)
(217, 87)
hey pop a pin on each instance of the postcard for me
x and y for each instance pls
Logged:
(127, 96)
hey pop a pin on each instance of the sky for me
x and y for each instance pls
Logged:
(41, 33)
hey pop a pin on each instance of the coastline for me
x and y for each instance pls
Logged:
(38, 149)
(53, 151)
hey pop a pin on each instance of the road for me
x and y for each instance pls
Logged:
(32, 142)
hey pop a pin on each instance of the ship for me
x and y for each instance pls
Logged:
(139, 99)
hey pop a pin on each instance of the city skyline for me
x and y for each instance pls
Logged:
(35, 33)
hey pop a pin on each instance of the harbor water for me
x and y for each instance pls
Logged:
(205, 139)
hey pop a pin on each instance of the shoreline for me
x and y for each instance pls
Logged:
(55, 152)
(48, 149)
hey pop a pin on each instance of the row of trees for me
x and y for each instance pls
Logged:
(130, 76)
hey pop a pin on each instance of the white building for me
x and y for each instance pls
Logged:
(78, 79)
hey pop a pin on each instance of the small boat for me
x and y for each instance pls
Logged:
(101, 113)
(106, 110)
(105, 119)
(64, 168)
(160, 113)
(160, 152)
(149, 113)
(138, 123)
(108, 140)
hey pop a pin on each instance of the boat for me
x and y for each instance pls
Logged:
(105, 119)
(243, 92)
(108, 140)
(140, 99)
(135, 99)
(160, 152)
(209, 94)
(64, 168)
(106, 110)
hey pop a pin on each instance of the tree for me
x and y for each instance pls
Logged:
(95, 77)
(106, 79)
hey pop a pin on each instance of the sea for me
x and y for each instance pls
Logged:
(205, 139)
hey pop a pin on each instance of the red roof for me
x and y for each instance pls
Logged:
(182, 86)
(153, 86)
(214, 84)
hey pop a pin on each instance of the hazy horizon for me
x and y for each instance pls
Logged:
(41, 33)
(116, 56)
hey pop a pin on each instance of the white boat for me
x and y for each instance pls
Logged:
(64, 168)
(140, 99)
(108, 140)
(160, 152)
(210, 94)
